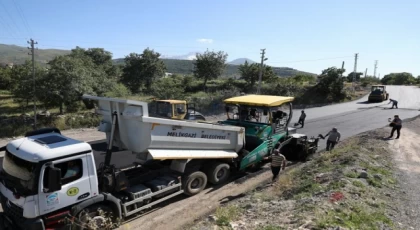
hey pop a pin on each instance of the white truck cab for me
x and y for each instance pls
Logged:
(28, 188)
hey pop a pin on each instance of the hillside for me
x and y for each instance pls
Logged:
(186, 67)
(241, 61)
(18, 55)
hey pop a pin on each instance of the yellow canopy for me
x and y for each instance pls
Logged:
(173, 101)
(259, 100)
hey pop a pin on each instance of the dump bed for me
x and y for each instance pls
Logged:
(160, 138)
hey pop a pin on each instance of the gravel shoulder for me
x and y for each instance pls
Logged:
(406, 212)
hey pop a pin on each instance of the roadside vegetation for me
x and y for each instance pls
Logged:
(347, 188)
(60, 86)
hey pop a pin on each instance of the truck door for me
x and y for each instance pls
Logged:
(75, 184)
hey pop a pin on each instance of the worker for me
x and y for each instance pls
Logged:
(278, 163)
(333, 138)
(396, 125)
(394, 103)
(302, 118)
(72, 170)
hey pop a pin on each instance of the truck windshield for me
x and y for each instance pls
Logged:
(19, 175)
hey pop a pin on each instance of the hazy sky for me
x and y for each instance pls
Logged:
(295, 33)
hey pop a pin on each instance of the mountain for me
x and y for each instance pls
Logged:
(182, 64)
(188, 56)
(18, 55)
(241, 61)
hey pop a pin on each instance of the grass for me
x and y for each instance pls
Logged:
(227, 214)
(271, 227)
(356, 218)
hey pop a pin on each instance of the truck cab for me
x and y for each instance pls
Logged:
(174, 109)
(43, 174)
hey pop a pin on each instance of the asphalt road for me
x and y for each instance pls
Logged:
(358, 116)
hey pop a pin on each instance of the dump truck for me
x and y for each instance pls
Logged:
(378, 94)
(49, 180)
(175, 109)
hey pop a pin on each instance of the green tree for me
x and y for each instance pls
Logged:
(5, 78)
(67, 80)
(331, 83)
(398, 79)
(169, 88)
(209, 65)
(141, 70)
(22, 85)
(250, 73)
(304, 78)
(356, 76)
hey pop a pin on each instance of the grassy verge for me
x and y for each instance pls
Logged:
(345, 188)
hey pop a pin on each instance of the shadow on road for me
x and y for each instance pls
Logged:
(363, 102)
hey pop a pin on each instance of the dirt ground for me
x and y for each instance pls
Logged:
(406, 212)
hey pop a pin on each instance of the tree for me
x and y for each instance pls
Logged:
(356, 76)
(21, 84)
(209, 65)
(5, 78)
(398, 79)
(141, 70)
(331, 83)
(250, 73)
(68, 79)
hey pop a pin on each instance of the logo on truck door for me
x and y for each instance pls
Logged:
(72, 191)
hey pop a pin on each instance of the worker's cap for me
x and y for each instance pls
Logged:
(396, 116)
(276, 151)
(303, 111)
(335, 128)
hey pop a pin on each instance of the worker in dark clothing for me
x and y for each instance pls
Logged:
(333, 138)
(278, 163)
(302, 118)
(396, 125)
(394, 103)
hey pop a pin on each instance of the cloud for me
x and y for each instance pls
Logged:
(205, 40)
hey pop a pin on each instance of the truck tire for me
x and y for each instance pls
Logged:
(194, 183)
(218, 173)
(97, 216)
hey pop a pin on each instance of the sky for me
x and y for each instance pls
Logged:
(306, 35)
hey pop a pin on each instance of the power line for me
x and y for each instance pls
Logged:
(5, 24)
(11, 18)
(320, 59)
(22, 16)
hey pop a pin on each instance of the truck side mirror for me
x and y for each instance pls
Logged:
(54, 179)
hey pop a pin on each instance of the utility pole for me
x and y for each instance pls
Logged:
(355, 69)
(366, 71)
(374, 70)
(261, 71)
(342, 69)
(32, 48)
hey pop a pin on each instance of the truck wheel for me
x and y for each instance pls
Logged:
(97, 216)
(218, 173)
(194, 183)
